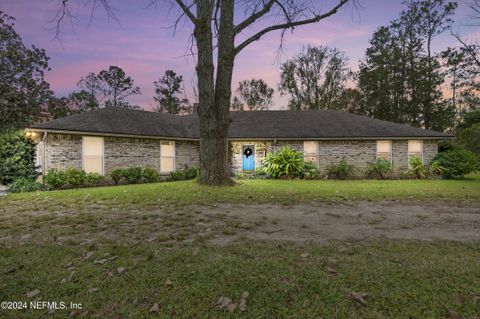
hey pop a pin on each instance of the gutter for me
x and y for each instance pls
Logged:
(245, 138)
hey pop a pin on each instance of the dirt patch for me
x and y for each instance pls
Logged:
(359, 220)
(103, 224)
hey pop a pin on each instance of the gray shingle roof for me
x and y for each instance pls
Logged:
(261, 124)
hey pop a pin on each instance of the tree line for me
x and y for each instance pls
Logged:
(400, 79)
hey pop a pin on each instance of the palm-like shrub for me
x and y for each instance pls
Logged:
(286, 163)
(417, 169)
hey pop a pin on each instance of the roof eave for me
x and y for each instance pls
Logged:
(34, 129)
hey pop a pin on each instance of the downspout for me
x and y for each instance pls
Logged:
(44, 168)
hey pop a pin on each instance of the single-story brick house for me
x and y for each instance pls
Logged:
(109, 138)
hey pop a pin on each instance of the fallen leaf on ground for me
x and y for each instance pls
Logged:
(305, 255)
(195, 252)
(223, 302)
(99, 261)
(458, 299)
(71, 275)
(359, 297)
(231, 307)
(169, 282)
(88, 255)
(332, 271)
(33, 293)
(243, 301)
(453, 315)
(93, 289)
(154, 308)
(120, 270)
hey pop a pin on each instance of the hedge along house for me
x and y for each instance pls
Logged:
(106, 139)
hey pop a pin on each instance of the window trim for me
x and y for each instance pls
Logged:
(102, 154)
(174, 157)
(391, 150)
(421, 149)
(317, 155)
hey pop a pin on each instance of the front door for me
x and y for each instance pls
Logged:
(248, 153)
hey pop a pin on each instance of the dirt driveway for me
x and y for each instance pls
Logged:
(358, 220)
(101, 223)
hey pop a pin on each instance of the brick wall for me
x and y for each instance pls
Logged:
(65, 151)
(356, 152)
(187, 154)
(430, 149)
(123, 152)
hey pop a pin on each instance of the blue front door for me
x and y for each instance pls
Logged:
(248, 153)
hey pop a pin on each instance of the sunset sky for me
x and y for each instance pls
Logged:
(142, 43)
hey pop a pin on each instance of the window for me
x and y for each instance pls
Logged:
(92, 150)
(415, 148)
(310, 152)
(384, 150)
(167, 157)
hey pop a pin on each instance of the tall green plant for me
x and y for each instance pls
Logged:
(381, 167)
(286, 163)
(17, 157)
(417, 169)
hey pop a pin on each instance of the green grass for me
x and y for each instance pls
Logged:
(260, 191)
(150, 230)
(402, 279)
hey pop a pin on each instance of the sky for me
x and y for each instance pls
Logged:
(141, 40)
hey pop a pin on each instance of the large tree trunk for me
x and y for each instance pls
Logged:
(214, 95)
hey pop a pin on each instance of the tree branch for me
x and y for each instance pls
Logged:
(287, 25)
(254, 17)
(467, 48)
(187, 11)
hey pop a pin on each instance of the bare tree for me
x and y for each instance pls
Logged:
(214, 29)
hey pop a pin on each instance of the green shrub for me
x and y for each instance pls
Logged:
(286, 163)
(17, 157)
(23, 184)
(133, 174)
(177, 175)
(416, 168)
(188, 173)
(381, 167)
(456, 163)
(151, 175)
(342, 170)
(470, 138)
(436, 168)
(55, 179)
(75, 177)
(192, 172)
(116, 175)
(310, 171)
(93, 178)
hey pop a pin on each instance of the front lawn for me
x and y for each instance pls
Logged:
(259, 191)
(171, 250)
(400, 279)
